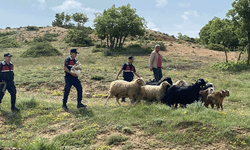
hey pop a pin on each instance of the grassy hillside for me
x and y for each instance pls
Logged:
(43, 124)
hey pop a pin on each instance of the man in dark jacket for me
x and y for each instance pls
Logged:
(71, 79)
(128, 72)
(7, 80)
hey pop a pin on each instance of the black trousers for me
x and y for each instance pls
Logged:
(157, 73)
(69, 81)
(10, 86)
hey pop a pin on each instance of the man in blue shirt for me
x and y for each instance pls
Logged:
(71, 79)
(128, 72)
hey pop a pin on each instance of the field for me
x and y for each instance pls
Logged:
(43, 124)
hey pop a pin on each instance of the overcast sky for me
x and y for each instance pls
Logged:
(167, 16)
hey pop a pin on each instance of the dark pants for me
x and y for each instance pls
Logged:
(157, 73)
(69, 81)
(10, 86)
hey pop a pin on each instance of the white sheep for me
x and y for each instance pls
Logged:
(153, 93)
(181, 83)
(74, 70)
(121, 88)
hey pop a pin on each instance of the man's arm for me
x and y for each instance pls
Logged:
(137, 75)
(116, 78)
(151, 60)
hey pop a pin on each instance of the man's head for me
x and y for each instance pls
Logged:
(131, 59)
(157, 47)
(73, 53)
(7, 57)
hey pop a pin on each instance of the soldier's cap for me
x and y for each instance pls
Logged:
(7, 55)
(131, 57)
(74, 51)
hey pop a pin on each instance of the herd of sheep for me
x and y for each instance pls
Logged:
(167, 92)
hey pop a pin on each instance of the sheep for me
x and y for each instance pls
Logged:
(121, 88)
(209, 86)
(181, 83)
(73, 69)
(152, 93)
(184, 94)
(217, 98)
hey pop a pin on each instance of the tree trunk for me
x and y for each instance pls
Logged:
(124, 40)
(248, 50)
(225, 53)
(107, 40)
(239, 56)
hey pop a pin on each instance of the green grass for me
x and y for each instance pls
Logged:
(43, 124)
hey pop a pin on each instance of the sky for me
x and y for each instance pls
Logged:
(167, 16)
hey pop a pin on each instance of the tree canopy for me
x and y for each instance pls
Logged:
(116, 24)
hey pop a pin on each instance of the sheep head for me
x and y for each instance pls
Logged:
(225, 93)
(201, 82)
(140, 82)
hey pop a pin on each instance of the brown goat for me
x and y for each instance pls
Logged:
(217, 99)
(204, 94)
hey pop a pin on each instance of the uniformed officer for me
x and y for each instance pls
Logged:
(7, 80)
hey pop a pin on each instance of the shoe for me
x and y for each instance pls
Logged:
(81, 105)
(15, 109)
(65, 107)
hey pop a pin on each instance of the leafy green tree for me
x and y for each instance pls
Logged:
(240, 15)
(80, 18)
(119, 23)
(205, 32)
(221, 33)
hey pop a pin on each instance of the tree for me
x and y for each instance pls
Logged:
(80, 18)
(221, 33)
(240, 15)
(117, 24)
(206, 31)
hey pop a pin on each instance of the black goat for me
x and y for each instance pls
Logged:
(183, 94)
(154, 82)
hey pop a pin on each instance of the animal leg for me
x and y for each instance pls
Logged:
(117, 100)
(106, 100)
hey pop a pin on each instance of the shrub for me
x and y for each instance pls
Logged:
(231, 66)
(107, 52)
(78, 38)
(94, 50)
(47, 37)
(98, 45)
(32, 28)
(7, 33)
(96, 77)
(8, 28)
(216, 47)
(7, 42)
(163, 47)
(41, 49)
(115, 139)
(133, 45)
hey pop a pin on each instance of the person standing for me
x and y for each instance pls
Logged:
(71, 79)
(128, 72)
(7, 78)
(155, 63)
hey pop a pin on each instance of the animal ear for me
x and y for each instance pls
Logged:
(139, 81)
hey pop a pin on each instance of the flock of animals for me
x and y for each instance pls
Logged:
(167, 92)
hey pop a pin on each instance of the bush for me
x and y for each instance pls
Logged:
(94, 50)
(107, 52)
(32, 28)
(216, 47)
(231, 66)
(6, 42)
(8, 28)
(115, 139)
(47, 37)
(41, 49)
(96, 77)
(7, 33)
(133, 45)
(98, 46)
(78, 38)
(162, 46)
